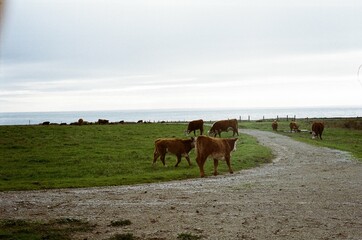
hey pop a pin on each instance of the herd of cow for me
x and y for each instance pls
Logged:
(211, 146)
(206, 146)
(317, 128)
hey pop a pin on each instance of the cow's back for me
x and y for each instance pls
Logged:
(210, 145)
(294, 127)
(234, 123)
(204, 145)
(275, 125)
(224, 125)
(317, 130)
(318, 127)
(196, 125)
(176, 146)
(172, 145)
(217, 148)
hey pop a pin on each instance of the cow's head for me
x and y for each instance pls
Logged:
(193, 142)
(313, 134)
(211, 133)
(235, 141)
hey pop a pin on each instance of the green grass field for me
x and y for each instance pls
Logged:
(40, 157)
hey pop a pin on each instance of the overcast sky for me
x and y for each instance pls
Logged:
(141, 54)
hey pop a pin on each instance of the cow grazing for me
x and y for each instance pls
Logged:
(103, 121)
(195, 125)
(224, 126)
(46, 123)
(275, 125)
(317, 130)
(294, 127)
(80, 121)
(175, 146)
(217, 148)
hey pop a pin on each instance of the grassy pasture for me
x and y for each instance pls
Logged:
(40, 157)
(342, 134)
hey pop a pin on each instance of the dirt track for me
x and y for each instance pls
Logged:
(306, 193)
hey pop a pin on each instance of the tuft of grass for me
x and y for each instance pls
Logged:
(187, 236)
(57, 229)
(123, 236)
(121, 223)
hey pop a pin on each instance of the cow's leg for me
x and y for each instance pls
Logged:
(188, 159)
(155, 156)
(200, 162)
(178, 159)
(227, 159)
(235, 131)
(163, 159)
(216, 163)
(201, 131)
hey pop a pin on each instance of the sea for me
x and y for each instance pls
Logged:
(177, 115)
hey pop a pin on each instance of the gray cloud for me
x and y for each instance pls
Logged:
(81, 47)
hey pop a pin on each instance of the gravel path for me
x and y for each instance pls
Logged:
(306, 193)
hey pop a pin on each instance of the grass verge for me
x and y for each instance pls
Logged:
(339, 133)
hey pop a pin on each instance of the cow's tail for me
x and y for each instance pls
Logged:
(196, 146)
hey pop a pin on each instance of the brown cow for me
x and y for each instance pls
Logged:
(317, 130)
(224, 126)
(217, 148)
(46, 123)
(195, 125)
(176, 146)
(294, 127)
(103, 121)
(275, 125)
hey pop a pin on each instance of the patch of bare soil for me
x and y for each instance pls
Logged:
(306, 193)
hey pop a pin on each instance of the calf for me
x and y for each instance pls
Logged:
(294, 127)
(176, 146)
(217, 148)
(195, 125)
(224, 126)
(275, 125)
(317, 130)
